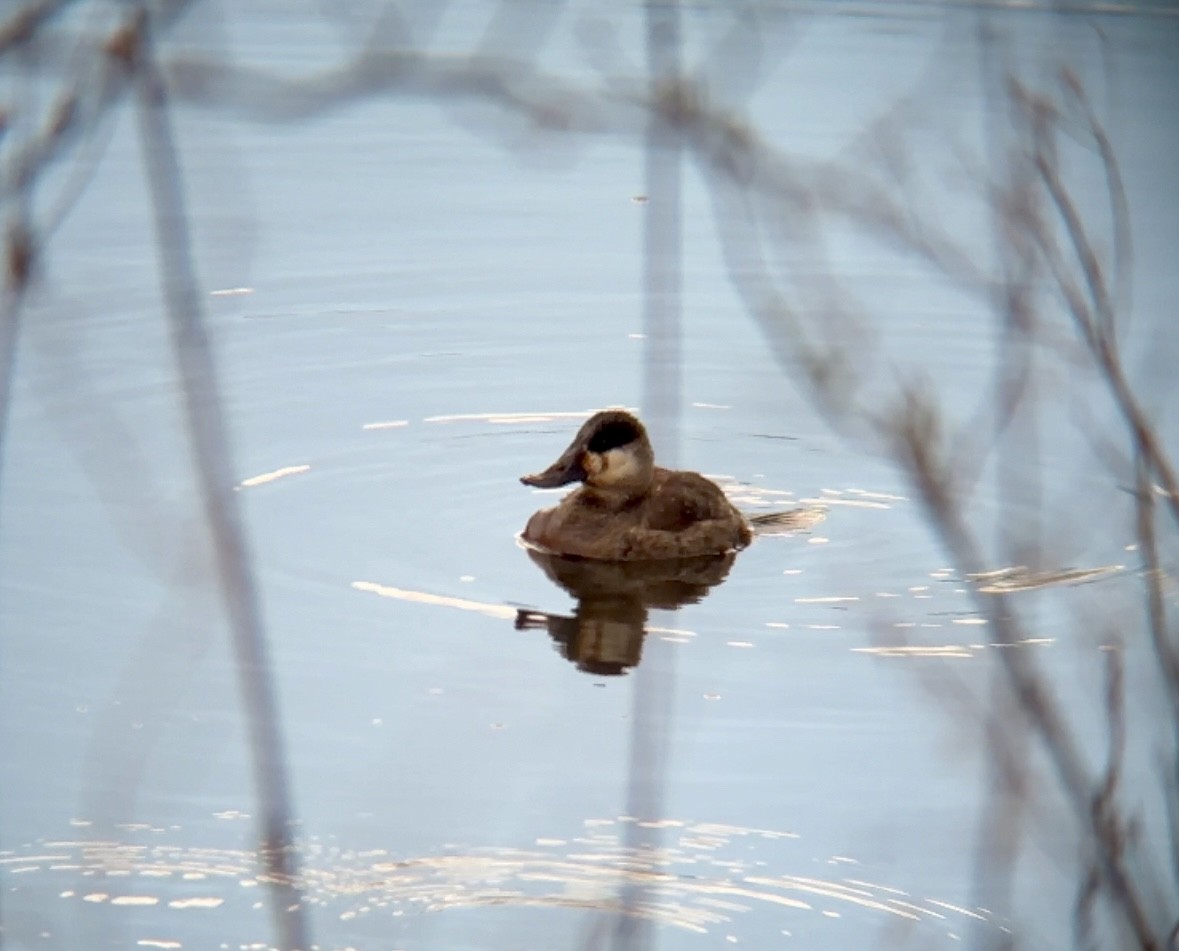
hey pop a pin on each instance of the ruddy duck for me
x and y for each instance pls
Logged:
(628, 508)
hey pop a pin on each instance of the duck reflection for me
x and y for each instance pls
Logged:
(604, 635)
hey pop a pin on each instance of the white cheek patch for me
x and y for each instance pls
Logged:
(619, 466)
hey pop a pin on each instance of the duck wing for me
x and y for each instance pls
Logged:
(680, 500)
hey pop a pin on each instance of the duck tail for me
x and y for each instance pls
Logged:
(792, 520)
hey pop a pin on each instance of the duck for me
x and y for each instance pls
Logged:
(626, 507)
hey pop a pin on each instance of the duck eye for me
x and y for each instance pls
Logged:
(612, 436)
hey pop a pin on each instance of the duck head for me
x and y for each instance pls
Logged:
(611, 454)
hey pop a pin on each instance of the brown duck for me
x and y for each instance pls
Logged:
(628, 508)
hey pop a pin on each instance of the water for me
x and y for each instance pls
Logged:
(408, 316)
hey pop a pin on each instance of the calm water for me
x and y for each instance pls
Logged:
(422, 302)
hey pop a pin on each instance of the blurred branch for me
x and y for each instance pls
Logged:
(653, 696)
(1105, 808)
(915, 435)
(1093, 315)
(1165, 651)
(19, 256)
(91, 93)
(765, 200)
(543, 99)
(97, 83)
(211, 456)
(20, 28)
(918, 449)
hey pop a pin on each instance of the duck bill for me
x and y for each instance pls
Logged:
(568, 468)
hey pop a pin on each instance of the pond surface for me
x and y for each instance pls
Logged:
(412, 305)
